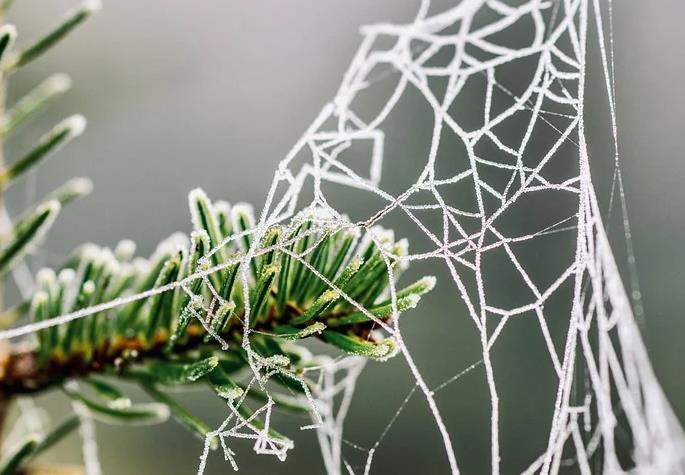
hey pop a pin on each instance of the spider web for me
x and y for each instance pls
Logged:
(602, 338)
(527, 149)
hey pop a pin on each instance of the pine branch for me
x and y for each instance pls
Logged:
(299, 280)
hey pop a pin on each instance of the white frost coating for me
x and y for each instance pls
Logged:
(81, 185)
(238, 210)
(91, 6)
(45, 277)
(125, 250)
(429, 281)
(52, 206)
(197, 195)
(65, 277)
(11, 32)
(619, 390)
(58, 83)
(75, 124)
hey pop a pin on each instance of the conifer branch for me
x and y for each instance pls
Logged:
(311, 281)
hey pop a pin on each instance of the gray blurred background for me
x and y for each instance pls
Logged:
(182, 94)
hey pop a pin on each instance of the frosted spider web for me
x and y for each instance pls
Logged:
(620, 376)
(603, 376)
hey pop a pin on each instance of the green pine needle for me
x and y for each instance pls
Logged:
(299, 284)
(35, 101)
(71, 21)
(27, 233)
(48, 144)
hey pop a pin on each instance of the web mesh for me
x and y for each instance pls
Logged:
(526, 149)
(439, 56)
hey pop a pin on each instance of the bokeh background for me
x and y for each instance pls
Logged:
(182, 94)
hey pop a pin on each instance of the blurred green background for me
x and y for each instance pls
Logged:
(182, 94)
